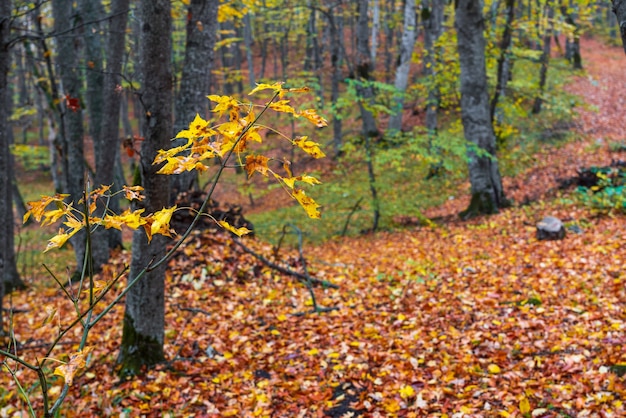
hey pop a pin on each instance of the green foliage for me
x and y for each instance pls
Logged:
(31, 157)
(609, 195)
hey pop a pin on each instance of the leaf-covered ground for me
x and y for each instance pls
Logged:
(473, 319)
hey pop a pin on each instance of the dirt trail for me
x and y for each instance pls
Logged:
(603, 87)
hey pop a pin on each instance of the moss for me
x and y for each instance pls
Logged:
(137, 350)
(482, 203)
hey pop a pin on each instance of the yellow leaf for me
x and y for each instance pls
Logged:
(237, 231)
(494, 369)
(312, 116)
(133, 192)
(310, 147)
(161, 224)
(282, 106)
(309, 205)
(256, 163)
(407, 392)
(524, 406)
(186, 2)
(132, 220)
(277, 87)
(69, 369)
(57, 241)
(50, 313)
(224, 103)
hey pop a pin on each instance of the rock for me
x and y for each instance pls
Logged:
(550, 228)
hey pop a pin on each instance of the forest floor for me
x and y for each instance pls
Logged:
(461, 319)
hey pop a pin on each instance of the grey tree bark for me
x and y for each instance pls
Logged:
(409, 35)
(106, 138)
(545, 58)
(335, 24)
(248, 41)
(572, 46)
(71, 129)
(144, 317)
(486, 184)
(503, 71)
(7, 258)
(375, 30)
(432, 16)
(194, 84)
(363, 68)
(619, 8)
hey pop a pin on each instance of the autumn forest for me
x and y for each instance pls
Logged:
(312, 208)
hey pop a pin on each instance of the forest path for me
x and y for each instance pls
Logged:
(601, 122)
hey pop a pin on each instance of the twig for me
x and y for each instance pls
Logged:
(284, 270)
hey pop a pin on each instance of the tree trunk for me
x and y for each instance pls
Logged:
(389, 29)
(363, 67)
(247, 40)
(194, 84)
(409, 35)
(375, 28)
(335, 23)
(545, 59)
(619, 8)
(106, 139)
(572, 46)
(502, 75)
(7, 258)
(71, 129)
(144, 317)
(486, 184)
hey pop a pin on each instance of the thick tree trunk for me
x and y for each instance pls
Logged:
(71, 114)
(6, 210)
(619, 7)
(335, 23)
(144, 317)
(194, 84)
(106, 139)
(409, 35)
(248, 41)
(487, 192)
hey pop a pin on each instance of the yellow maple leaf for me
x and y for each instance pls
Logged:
(282, 106)
(224, 104)
(277, 87)
(312, 116)
(256, 163)
(58, 240)
(161, 222)
(237, 231)
(133, 192)
(132, 220)
(308, 146)
(76, 362)
(309, 205)
(37, 209)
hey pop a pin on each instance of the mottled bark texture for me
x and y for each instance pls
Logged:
(545, 57)
(432, 17)
(144, 317)
(71, 131)
(363, 68)
(194, 84)
(106, 138)
(619, 8)
(487, 192)
(503, 71)
(409, 35)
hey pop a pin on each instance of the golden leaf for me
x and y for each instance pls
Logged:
(277, 87)
(161, 222)
(407, 392)
(256, 163)
(309, 205)
(524, 405)
(312, 116)
(69, 369)
(310, 147)
(237, 231)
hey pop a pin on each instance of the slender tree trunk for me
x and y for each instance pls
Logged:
(502, 75)
(389, 30)
(72, 132)
(432, 17)
(106, 138)
(335, 25)
(194, 85)
(144, 317)
(375, 29)
(247, 39)
(619, 8)
(545, 58)
(363, 69)
(409, 35)
(572, 46)
(487, 191)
